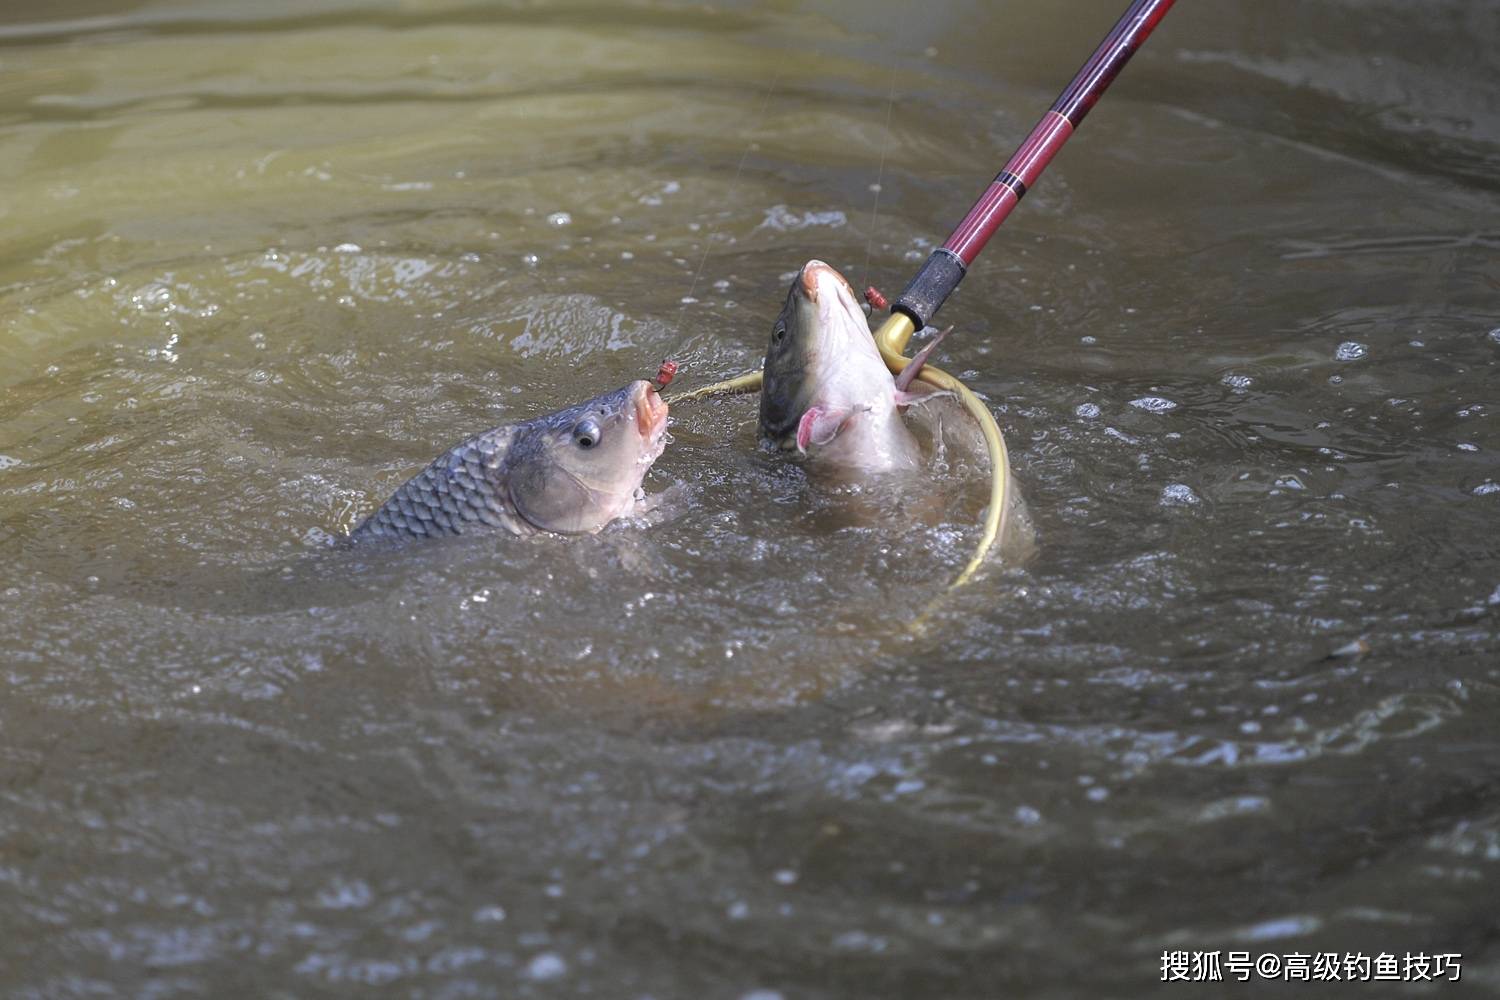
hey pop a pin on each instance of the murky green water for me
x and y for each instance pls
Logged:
(258, 262)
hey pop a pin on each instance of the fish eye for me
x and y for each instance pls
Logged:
(586, 433)
(778, 334)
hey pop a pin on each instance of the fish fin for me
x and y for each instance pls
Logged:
(917, 398)
(914, 366)
(820, 425)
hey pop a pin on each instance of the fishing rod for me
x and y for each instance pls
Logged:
(946, 266)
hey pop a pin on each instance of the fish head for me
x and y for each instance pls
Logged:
(576, 470)
(821, 361)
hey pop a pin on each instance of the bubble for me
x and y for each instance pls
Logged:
(1282, 927)
(531, 259)
(152, 298)
(1178, 495)
(546, 966)
(1350, 350)
(559, 219)
(317, 538)
(1237, 381)
(1088, 411)
(1486, 488)
(343, 894)
(857, 940)
(1027, 816)
(785, 877)
(1495, 335)
(348, 248)
(1154, 404)
(783, 219)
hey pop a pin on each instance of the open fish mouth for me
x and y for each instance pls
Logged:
(814, 270)
(650, 411)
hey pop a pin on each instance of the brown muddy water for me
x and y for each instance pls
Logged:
(260, 261)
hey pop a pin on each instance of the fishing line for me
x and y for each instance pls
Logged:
(890, 105)
(765, 102)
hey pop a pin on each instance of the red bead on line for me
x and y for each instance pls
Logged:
(665, 374)
(876, 300)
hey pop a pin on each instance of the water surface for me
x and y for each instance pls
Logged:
(259, 262)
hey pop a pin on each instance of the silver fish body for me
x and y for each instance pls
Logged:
(826, 390)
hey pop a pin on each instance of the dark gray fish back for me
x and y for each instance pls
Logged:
(783, 374)
(462, 489)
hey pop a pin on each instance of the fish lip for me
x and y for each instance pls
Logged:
(809, 279)
(650, 411)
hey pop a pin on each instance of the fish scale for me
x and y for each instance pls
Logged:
(463, 486)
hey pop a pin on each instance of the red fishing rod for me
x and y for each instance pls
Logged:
(946, 266)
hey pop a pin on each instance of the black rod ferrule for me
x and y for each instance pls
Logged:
(925, 295)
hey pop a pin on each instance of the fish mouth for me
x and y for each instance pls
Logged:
(650, 411)
(814, 272)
